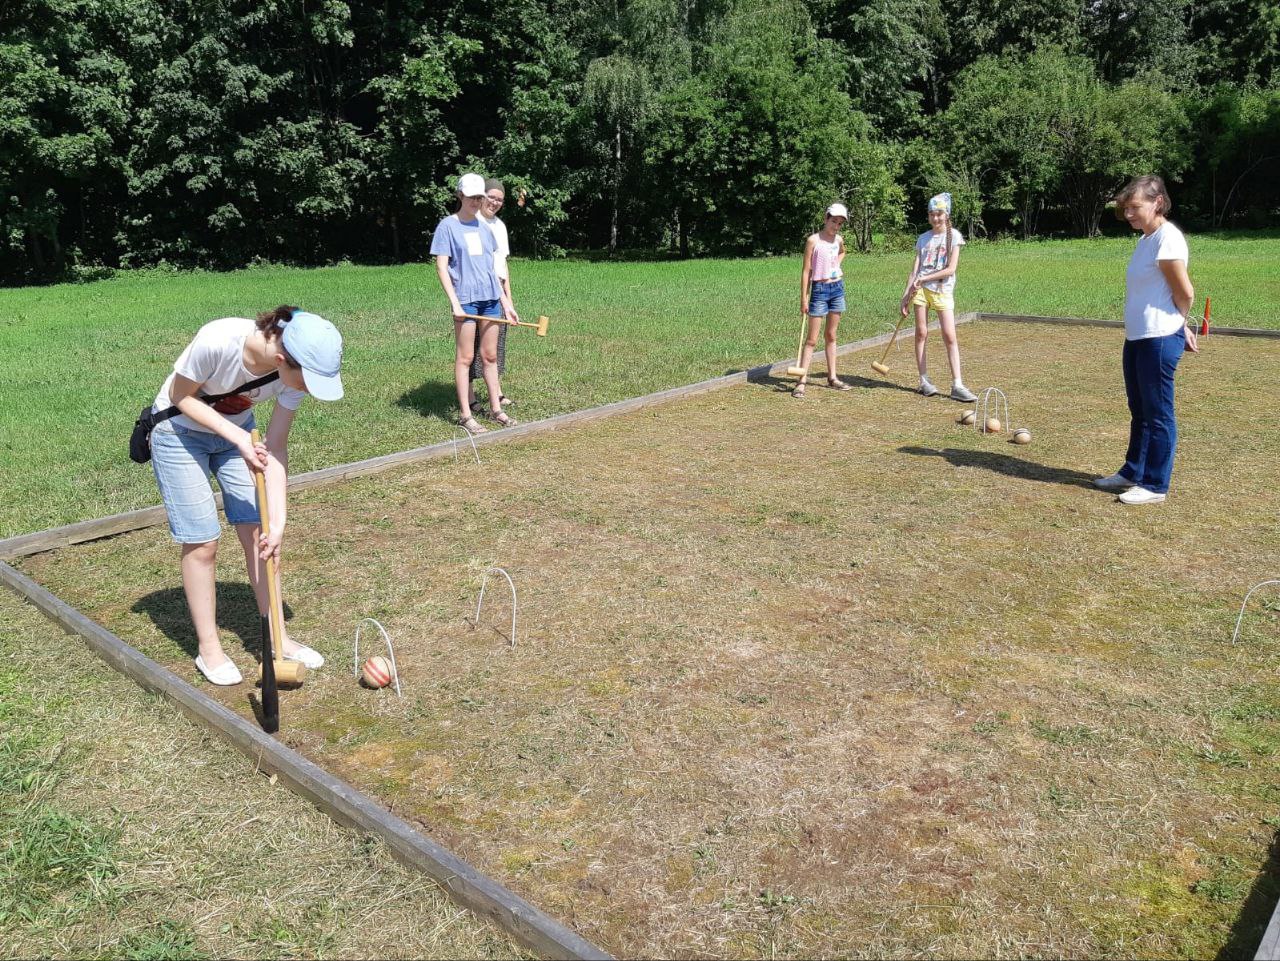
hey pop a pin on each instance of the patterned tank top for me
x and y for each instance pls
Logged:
(825, 265)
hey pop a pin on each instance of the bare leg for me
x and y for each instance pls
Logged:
(833, 321)
(810, 342)
(947, 321)
(489, 363)
(922, 337)
(199, 582)
(465, 340)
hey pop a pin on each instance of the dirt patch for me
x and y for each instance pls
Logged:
(832, 676)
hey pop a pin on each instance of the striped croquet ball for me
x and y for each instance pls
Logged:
(377, 671)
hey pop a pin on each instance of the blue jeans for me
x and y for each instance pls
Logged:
(1149, 366)
(826, 296)
(184, 460)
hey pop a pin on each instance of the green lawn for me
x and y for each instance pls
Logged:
(77, 362)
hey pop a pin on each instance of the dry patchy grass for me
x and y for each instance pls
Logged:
(826, 678)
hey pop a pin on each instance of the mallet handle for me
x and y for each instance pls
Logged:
(275, 611)
(540, 326)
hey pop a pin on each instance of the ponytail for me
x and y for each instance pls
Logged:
(271, 323)
(948, 229)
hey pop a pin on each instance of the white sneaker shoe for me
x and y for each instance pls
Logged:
(1113, 482)
(224, 675)
(962, 393)
(1140, 495)
(926, 387)
(312, 659)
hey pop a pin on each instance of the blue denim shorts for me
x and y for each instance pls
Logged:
(482, 308)
(184, 460)
(826, 296)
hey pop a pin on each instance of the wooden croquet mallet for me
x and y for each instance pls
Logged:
(540, 326)
(276, 671)
(879, 366)
(797, 370)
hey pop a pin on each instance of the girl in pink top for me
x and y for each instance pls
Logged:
(822, 292)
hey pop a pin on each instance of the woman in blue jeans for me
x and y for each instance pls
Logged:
(1158, 298)
(300, 354)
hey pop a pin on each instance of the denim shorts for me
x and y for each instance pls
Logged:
(184, 460)
(826, 297)
(482, 308)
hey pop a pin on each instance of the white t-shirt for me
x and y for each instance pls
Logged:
(1149, 310)
(932, 249)
(215, 359)
(504, 247)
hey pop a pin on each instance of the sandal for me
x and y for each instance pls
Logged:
(503, 418)
(799, 391)
(505, 401)
(835, 383)
(472, 426)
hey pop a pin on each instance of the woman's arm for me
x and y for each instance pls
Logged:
(277, 478)
(1184, 295)
(806, 273)
(182, 392)
(442, 271)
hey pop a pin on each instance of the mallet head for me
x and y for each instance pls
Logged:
(288, 673)
(797, 371)
(542, 325)
(879, 368)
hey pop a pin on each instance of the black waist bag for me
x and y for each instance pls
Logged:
(140, 439)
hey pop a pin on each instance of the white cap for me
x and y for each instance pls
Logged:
(838, 210)
(471, 185)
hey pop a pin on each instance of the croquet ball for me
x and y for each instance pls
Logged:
(1021, 436)
(377, 671)
(993, 425)
(966, 417)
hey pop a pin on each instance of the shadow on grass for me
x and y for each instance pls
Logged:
(1251, 924)
(432, 398)
(818, 381)
(1007, 465)
(237, 615)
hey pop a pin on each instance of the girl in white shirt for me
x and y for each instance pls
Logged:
(304, 352)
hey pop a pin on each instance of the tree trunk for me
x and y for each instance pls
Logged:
(617, 177)
(395, 237)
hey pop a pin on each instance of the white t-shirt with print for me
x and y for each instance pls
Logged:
(215, 359)
(1149, 310)
(932, 249)
(504, 247)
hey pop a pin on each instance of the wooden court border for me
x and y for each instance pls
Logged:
(467, 886)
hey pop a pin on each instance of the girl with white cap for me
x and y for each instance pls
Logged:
(822, 292)
(285, 354)
(464, 249)
(930, 287)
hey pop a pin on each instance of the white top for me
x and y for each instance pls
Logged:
(215, 359)
(932, 249)
(824, 266)
(1149, 310)
(504, 246)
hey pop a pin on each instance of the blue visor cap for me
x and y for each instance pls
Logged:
(317, 346)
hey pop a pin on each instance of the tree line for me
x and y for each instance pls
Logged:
(217, 133)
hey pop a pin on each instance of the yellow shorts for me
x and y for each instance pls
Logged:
(933, 300)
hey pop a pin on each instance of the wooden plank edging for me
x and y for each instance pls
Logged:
(460, 881)
(24, 545)
(1119, 324)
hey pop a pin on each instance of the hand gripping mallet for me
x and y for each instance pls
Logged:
(276, 671)
(797, 370)
(540, 326)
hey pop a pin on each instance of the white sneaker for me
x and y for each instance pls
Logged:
(1140, 495)
(926, 387)
(224, 675)
(962, 393)
(304, 655)
(1113, 482)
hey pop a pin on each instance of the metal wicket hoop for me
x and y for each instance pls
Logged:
(984, 409)
(395, 671)
(1240, 617)
(484, 581)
